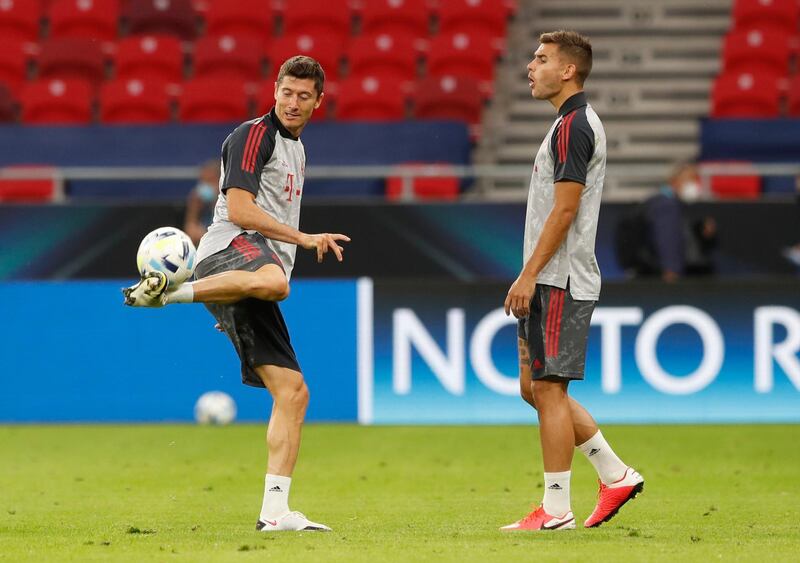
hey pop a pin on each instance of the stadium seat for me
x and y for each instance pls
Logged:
(449, 97)
(764, 47)
(57, 101)
(368, 98)
(72, 57)
(778, 13)
(93, 19)
(8, 110)
(794, 96)
(13, 63)
(328, 51)
(171, 17)
(228, 57)
(747, 186)
(265, 99)
(746, 94)
(384, 55)
(473, 16)
(407, 17)
(462, 54)
(20, 19)
(243, 18)
(319, 18)
(134, 101)
(426, 188)
(150, 57)
(204, 100)
(34, 190)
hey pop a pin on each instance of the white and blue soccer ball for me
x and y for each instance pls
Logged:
(168, 250)
(215, 407)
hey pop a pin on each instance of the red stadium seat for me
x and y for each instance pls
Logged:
(746, 94)
(72, 58)
(134, 101)
(208, 100)
(8, 110)
(747, 186)
(411, 17)
(150, 57)
(383, 55)
(171, 17)
(794, 96)
(14, 57)
(324, 49)
(779, 13)
(93, 19)
(20, 19)
(265, 99)
(370, 99)
(328, 18)
(449, 97)
(229, 57)
(242, 18)
(473, 16)
(429, 188)
(57, 101)
(462, 54)
(29, 190)
(766, 48)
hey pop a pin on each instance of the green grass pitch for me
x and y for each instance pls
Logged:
(186, 493)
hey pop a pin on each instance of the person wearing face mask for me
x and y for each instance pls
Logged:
(201, 201)
(680, 247)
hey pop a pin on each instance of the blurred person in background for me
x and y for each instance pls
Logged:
(659, 239)
(555, 293)
(201, 201)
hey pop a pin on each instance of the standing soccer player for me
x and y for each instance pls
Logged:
(556, 292)
(244, 265)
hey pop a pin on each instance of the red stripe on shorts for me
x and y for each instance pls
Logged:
(559, 316)
(243, 247)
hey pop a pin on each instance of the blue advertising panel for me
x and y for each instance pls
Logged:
(446, 353)
(72, 352)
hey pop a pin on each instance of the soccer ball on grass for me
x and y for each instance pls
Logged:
(168, 250)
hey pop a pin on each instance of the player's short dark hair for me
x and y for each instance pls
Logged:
(301, 66)
(576, 47)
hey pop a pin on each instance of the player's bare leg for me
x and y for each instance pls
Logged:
(290, 400)
(583, 425)
(618, 482)
(268, 283)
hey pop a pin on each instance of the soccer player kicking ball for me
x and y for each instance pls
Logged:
(244, 265)
(555, 293)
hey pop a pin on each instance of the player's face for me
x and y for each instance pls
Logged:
(546, 72)
(295, 101)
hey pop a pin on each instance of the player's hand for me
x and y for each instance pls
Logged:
(518, 300)
(324, 242)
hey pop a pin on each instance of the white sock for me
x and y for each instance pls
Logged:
(608, 466)
(556, 493)
(276, 496)
(184, 293)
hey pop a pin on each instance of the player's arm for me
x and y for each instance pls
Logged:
(243, 211)
(248, 150)
(572, 148)
(565, 208)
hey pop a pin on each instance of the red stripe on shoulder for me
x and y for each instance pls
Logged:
(251, 165)
(247, 145)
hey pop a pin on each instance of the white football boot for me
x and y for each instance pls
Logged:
(151, 291)
(291, 522)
